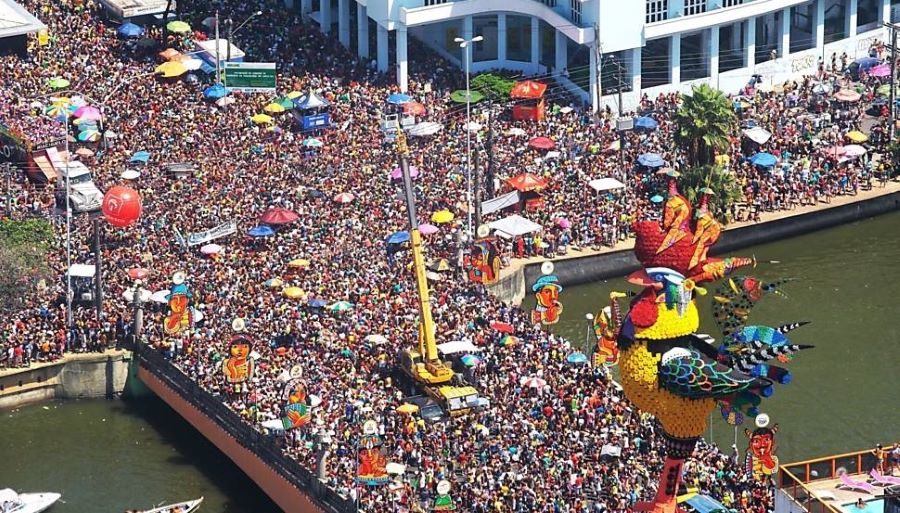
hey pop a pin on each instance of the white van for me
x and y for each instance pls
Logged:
(85, 196)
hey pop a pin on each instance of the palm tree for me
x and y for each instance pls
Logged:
(703, 123)
(726, 191)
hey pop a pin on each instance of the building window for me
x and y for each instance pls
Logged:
(692, 7)
(576, 11)
(657, 10)
(435, 2)
(548, 3)
(731, 3)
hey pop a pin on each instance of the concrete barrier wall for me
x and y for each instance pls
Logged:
(588, 269)
(288, 497)
(80, 376)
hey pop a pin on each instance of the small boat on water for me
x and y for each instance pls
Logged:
(178, 507)
(12, 502)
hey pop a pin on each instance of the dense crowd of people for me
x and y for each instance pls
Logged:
(532, 448)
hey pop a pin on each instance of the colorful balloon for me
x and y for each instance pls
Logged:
(121, 206)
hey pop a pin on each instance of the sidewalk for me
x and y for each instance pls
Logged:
(876, 191)
(68, 357)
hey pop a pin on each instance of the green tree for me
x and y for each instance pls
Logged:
(493, 85)
(23, 260)
(726, 191)
(703, 123)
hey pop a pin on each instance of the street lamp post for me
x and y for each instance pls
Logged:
(464, 43)
(137, 296)
(232, 31)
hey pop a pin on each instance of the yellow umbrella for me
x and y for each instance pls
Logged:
(298, 262)
(442, 216)
(178, 27)
(259, 119)
(274, 283)
(274, 108)
(407, 408)
(171, 69)
(857, 136)
(292, 292)
(294, 94)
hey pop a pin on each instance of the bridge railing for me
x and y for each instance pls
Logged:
(262, 446)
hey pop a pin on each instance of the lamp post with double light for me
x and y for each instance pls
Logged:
(465, 44)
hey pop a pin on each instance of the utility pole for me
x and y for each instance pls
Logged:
(598, 54)
(893, 78)
(621, 132)
(9, 169)
(98, 275)
(230, 35)
(490, 153)
(218, 60)
(476, 177)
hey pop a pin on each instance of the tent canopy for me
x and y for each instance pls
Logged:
(458, 346)
(757, 134)
(606, 184)
(499, 203)
(311, 100)
(82, 271)
(514, 226)
(528, 90)
(705, 504)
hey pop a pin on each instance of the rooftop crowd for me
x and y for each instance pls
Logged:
(532, 449)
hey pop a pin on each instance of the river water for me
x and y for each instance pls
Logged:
(108, 456)
(846, 391)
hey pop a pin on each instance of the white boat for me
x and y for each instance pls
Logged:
(12, 502)
(178, 507)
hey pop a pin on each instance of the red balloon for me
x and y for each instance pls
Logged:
(121, 206)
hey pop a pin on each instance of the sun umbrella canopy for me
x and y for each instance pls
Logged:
(459, 96)
(227, 100)
(651, 160)
(516, 132)
(274, 108)
(90, 135)
(140, 156)
(656, 198)
(278, 215)
(299, 263)
(442, 217)
(407, 408)
(424, 129)
(542, 143)
(526, 182)
(261, 231)
(138, 273)
(854, 150)
(532, 382)
(576, 358)
(317, 303)
(58, 83)
(344, 197)
(399, 99)
(398, 237)
(215, 91)
(178, 27)
(857, 136)
(340, 306)
(414, 108)
(130, 174)
(88, 112)
(508, 340)
(171, 69)
(427, 229)
(502, 327)
(292, 292)
(440, 265)
(84, 152)
(882, 70)
(763, 159)
(847, 95)
(259, 119)
(211, 249)
(312, 142)
(645, 123)
(470, 360)
(397, 173)
(274, 283)
(129, 30)
(834, 151)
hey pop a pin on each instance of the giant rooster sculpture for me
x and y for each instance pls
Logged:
(666, 369)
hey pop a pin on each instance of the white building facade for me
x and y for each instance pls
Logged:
(649, 46)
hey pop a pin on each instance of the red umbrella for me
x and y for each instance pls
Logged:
(414, 108)
(278, 216)
(138, 273)
(502, 327)
(542, 143)
(344, 197)
(526, 182)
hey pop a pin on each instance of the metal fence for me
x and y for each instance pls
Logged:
(262, 446)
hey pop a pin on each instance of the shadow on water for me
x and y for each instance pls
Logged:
(194, 450)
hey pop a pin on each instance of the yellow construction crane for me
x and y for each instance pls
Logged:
(423, 365)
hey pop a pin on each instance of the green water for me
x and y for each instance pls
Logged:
(109, 456)
(846, 392)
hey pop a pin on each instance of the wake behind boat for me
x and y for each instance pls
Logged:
(12, 502)
(179, 507)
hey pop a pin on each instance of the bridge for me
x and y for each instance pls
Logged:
(290, 485)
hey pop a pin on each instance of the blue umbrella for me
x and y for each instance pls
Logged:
(398, 237)
(867, 62)
(140, 156)
(315, 193)
(651, 160)
(399, 98)
(646, 123)
(261, 231)
(214, 92)
(763, 159)
(129, 30)
(577, 358)
(656, 198)
(317, 303)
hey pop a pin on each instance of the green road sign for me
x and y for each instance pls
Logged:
(250, 76)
